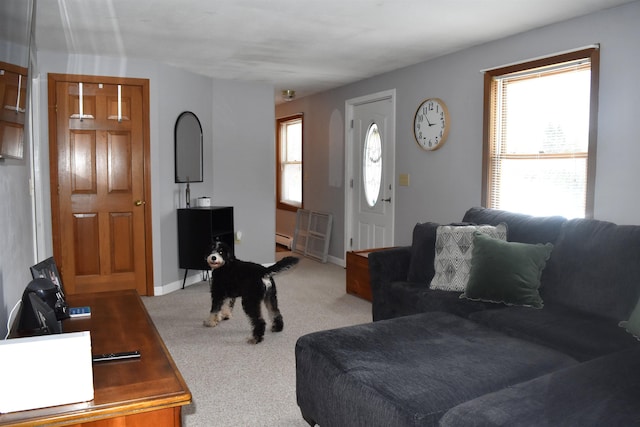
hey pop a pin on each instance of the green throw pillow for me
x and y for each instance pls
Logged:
(507, 272)
(633, 324)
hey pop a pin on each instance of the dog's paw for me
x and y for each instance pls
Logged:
(254, 340)
(225, 314)
(212, 321)
(277, 325)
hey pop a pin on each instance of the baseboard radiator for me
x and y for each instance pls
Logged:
(284, 240)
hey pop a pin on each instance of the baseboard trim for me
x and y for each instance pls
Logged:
(338, 261)
(177, 285)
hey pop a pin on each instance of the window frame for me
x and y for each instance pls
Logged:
(591, 53)
(279, 122)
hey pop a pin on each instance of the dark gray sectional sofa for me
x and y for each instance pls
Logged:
(432, 358)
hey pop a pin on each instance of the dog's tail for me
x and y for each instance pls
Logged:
(284, 264)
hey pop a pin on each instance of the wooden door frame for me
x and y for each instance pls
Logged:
(53, 79)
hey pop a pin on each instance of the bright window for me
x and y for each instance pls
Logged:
(540, 135)
(372, 165)
(289, 154)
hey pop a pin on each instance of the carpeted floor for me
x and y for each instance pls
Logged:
(238, 384)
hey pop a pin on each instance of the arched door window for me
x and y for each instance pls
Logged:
(372, 165)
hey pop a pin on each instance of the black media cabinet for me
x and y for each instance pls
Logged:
(198, 229)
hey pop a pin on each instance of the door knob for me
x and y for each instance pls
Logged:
(386, 200)
(139, 202)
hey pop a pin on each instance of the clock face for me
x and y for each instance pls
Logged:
(431, 124)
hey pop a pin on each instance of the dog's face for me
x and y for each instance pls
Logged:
(219, 256)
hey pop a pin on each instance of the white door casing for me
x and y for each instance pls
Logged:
(369, 215)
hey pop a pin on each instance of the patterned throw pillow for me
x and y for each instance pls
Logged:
(454, 247)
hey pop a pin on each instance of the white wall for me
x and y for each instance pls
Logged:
(446, 182)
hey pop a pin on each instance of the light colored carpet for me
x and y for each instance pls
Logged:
(234, 383)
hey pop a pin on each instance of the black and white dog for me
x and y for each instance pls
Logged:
(232, 278)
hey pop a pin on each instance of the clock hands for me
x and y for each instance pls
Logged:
(428, 122)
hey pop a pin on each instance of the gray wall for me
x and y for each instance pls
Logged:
(446, 182)
(244, 163)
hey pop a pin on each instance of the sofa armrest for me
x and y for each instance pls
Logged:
(385, 267)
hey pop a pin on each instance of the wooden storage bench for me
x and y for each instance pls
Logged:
(358, 282)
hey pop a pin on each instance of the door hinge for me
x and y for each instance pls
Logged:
(351, 183)
(351, 123)
(351, 242)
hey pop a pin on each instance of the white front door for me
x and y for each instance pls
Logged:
(370, 177)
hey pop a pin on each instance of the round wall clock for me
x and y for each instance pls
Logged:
(431, 124)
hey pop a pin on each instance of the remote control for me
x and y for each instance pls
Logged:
(116, 356)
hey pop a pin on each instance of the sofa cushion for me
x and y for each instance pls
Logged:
(453, 250)
(406, 298)
(507, 272)
(522, 228)
(595, 268)
(423, 250)
(385, 267)
(601, 392)
(581, 335)
(410, 370)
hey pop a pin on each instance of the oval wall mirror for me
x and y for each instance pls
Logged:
(188, 148)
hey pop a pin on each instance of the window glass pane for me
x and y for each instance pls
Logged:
(543, 187)
(292, 184)
(294, 142)
(547, 114)
(372, 165)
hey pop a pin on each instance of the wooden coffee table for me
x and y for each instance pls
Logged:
(149, 391)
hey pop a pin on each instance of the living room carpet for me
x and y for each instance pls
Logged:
(234, 383)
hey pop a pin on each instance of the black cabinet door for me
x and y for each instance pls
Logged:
(198, 230)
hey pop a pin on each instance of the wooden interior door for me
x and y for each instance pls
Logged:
(99, 180)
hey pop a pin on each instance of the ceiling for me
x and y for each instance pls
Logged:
(305, 45)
